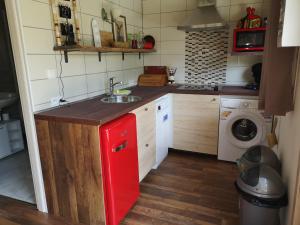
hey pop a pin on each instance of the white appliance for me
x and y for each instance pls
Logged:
(11, 138)
(163, 128)
(5, 148)
(242, 125)
(6, 99)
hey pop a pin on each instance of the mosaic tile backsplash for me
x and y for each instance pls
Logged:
(206, 57)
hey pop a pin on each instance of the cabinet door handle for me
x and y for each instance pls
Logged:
(146, 109)
(147, 145)
(120, 147)
(213, 100)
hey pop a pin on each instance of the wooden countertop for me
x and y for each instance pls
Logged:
(94, 112)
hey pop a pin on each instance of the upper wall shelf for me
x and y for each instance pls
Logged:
(78, 48)
(258, 53)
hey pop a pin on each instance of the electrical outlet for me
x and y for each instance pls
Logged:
(55, 101)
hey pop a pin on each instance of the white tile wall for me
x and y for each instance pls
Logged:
(38, 41)
(75, 86)
(84, 76)
(172, 34)
(75, 66)
(32, 10)
(172, 5)
(151, 6)
(92, 64)
(172, 47)
(172, 19)
(40, 65)
(161, 18)
(96, 82)
(152, 20)
(42, 89)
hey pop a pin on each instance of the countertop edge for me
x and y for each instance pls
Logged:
(99, 122)
(132, 106)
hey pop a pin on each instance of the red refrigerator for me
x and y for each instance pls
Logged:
(119, 167)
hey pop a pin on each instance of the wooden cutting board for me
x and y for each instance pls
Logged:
(106, 39)
(152, 80)
(155, 70)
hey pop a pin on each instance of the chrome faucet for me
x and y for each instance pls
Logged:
(112, 85)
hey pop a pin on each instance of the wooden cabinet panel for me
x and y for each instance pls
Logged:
(296, 205)
(145, 117)
(278, 69)
(71, 164)
(196, 123)
(289, 30)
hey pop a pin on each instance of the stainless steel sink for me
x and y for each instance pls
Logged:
(121, 99)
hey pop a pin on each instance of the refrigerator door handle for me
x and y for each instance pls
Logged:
(120, 147)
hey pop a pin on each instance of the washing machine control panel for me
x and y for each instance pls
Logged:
(239, 104)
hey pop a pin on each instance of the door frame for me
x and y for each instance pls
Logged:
(22, 71)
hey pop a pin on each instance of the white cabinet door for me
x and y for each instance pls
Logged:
(289, 33)
(163, 128)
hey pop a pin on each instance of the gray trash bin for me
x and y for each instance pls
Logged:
(262, 194)
(257, 155)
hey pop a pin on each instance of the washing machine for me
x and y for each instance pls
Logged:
(242, 125)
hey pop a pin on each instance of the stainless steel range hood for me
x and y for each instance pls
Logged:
(204, 17)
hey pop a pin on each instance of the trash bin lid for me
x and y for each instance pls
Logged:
(259, 155)
(261, 181)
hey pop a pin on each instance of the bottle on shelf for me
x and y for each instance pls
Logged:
(134, 44)
(140, 40)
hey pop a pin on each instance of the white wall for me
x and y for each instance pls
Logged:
(289, 150)
(161, 18)
(84, 76)
(290, 28)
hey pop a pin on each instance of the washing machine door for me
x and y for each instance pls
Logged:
(246, 129)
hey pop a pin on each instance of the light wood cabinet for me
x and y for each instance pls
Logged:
(196, 123)
(145, 118)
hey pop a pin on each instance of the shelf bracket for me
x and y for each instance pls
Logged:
(139, 55)
(66, 56)
(99, 56)
(123, 56)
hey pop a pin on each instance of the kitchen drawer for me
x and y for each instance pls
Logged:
(146, 160)
(146, 122)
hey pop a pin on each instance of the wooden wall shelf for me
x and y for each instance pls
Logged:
(247, 53)
(77, 48)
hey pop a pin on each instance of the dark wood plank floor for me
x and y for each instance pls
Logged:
(187, 189)
(13, 212)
